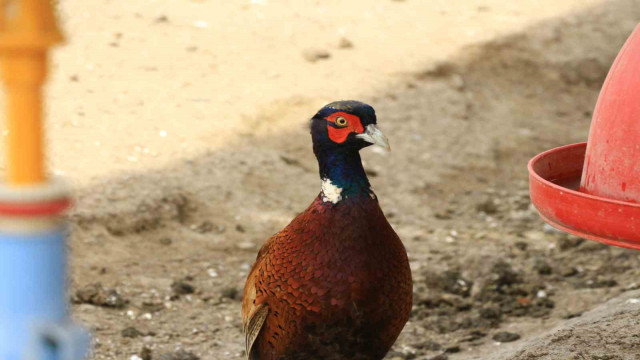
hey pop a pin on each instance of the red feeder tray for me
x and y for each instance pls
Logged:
(554, 179)
(594, 191)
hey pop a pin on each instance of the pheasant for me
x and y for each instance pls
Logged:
(335, 283)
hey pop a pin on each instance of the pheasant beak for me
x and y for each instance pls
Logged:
(373, 135)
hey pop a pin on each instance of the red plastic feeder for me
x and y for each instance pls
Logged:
(593, 189)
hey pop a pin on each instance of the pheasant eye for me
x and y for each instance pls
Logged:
(341, 122)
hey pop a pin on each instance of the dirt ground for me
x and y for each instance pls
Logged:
(170, 237)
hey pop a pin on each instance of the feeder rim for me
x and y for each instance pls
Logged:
(557, 187)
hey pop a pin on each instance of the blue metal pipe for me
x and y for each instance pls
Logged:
(32, 288)
(34, 322)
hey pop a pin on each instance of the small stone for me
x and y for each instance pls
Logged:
(534, 235)
(240, 228)
(429, 345)
(182, 288)
(505, 275)
(95, 294)
(162, 19)
(572, 315)
(567, 242)
(204, 227)
(569, 271)
(230, 293)
(313, 55)
(542, 267)
(131, 332)
(440, 356)
(488, 207)
(146, 353)
(521, 245)
(450, 282)
(505, 336)
(345, 43)
(246, 245)
(452, 349)
(151, 307)
(178, 355)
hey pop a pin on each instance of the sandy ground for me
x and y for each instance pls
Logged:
(147, 83)
(183, 126)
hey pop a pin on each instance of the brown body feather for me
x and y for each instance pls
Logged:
(334, 284)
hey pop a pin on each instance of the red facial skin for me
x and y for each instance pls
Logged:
(340, 134)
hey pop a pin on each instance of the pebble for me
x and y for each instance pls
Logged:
(162, 19)
(95, 294)
(203, 228)
(534, 235)
(313, 55)
(131, 332)
(245, 245)
(441, 356)
(452, 349)
(345, 43)
(182, 288)
(178, 355)
(505, 336)
(201, 24)
(212, 273)
(230, 293)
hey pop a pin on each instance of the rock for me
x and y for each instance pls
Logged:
(450, 282)
(542, 267)
(490, 312)
(609, 331)
(567, 242)
(535, 235)
(162, 19)
(313, 55)
(441, 356)
(230, 293)
(204, 227)
(505, 336)
(146, 353)
(429, 345)
(131, 332)
(452, 349)
(596, 284)
(151, 307)
(178, 355)
(182, 288)
(345, 43)
(488, 207)
(95, 294)
(165, 241)
(504, 274)
(569, 271)
(474, 335)
(246, 245)
(521, 245)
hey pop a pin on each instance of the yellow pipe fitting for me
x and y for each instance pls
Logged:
(27, 29)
